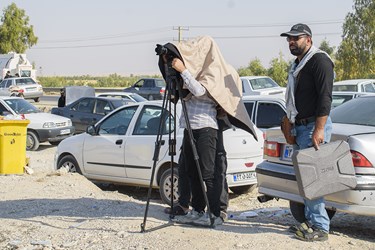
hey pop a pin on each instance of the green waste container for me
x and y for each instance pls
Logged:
(13, 146)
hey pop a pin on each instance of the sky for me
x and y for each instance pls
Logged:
(99, 38)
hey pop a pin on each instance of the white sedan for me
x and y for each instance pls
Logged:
(121, 146)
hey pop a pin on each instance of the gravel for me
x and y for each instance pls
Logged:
(50, 209)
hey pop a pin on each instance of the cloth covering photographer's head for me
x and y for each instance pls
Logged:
(205, 62)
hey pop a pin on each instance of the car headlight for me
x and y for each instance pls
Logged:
(69, 123)
(49, 125)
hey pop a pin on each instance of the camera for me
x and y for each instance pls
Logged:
(162, 50)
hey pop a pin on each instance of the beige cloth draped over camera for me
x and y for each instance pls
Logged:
(202, 57)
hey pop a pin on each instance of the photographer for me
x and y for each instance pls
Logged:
(212, 92)
(202, 117)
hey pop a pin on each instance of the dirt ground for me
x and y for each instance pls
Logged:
(56, 210)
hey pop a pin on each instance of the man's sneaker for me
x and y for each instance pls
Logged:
(312, 234)
(206, 221)
(189, 217)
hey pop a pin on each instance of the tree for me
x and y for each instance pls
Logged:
(324, 45)
(255, 68)
(355, 55)
(16, 35)
(279, 70)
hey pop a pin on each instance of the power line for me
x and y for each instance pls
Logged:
(98, 45)
(263, 25)
(103, 37)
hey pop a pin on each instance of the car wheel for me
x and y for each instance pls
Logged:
(36, 99)
(150, 98)
(166, 186)
(243, 189)
(54, 143)
(70, 163)
(298, 211)
(32, 142)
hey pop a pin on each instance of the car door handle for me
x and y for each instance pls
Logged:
(119, 142)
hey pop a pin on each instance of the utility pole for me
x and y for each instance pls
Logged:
(180, 29)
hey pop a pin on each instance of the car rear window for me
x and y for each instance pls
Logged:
(358, 111)
(25, 81)
(160, 83)
(352, 88)
(263, 83)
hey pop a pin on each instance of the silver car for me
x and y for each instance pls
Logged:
(353, 122)
(24, 87)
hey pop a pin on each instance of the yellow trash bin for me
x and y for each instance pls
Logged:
(13, 146)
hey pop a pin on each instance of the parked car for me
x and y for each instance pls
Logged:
(42, 127)
(265, 111)
(88, 110)
(260, 85)
(124, 95)
(355, 85)
(24, 87)
(120, 149)
(339, 97)
(353, 122)
(149, 88)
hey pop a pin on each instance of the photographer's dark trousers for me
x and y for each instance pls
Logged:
(184, 188)
(221, 173)
(205, 142)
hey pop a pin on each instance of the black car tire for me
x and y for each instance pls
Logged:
(298, 211)
(32, 141)
(36, 99)
(243, 189)
(69, 162)
(166, 186)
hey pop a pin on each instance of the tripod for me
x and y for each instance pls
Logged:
(173, 85)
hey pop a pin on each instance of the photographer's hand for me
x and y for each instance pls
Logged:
(178, 65)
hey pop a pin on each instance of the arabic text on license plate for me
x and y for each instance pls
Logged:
(64, 131)
(244, 176)
(288, 151)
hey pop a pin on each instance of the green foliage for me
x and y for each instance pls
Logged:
(279, 70)
(15, 32)
(324, 45)
(111, 81)
(255, 68)
(355, 55)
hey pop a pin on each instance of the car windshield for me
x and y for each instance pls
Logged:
(358, 111)
(352, 88)
(21, 106)
(263, 83)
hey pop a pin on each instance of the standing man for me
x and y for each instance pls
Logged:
(201, 112)
(309, 97)
(61, 101)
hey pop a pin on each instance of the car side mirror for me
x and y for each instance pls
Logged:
(91, 130)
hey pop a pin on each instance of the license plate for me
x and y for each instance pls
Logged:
(64, 131)
(244, 176)
(288, 152)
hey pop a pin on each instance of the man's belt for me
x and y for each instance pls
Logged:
(305, 121)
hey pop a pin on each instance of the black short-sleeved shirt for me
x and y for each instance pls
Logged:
(313, 95)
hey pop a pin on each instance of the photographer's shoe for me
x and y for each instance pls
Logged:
(206, 221)
(312, 234)
(189, 217)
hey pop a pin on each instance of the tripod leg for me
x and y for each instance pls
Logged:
(158, 144)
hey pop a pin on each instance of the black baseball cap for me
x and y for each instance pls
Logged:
(298, 30)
